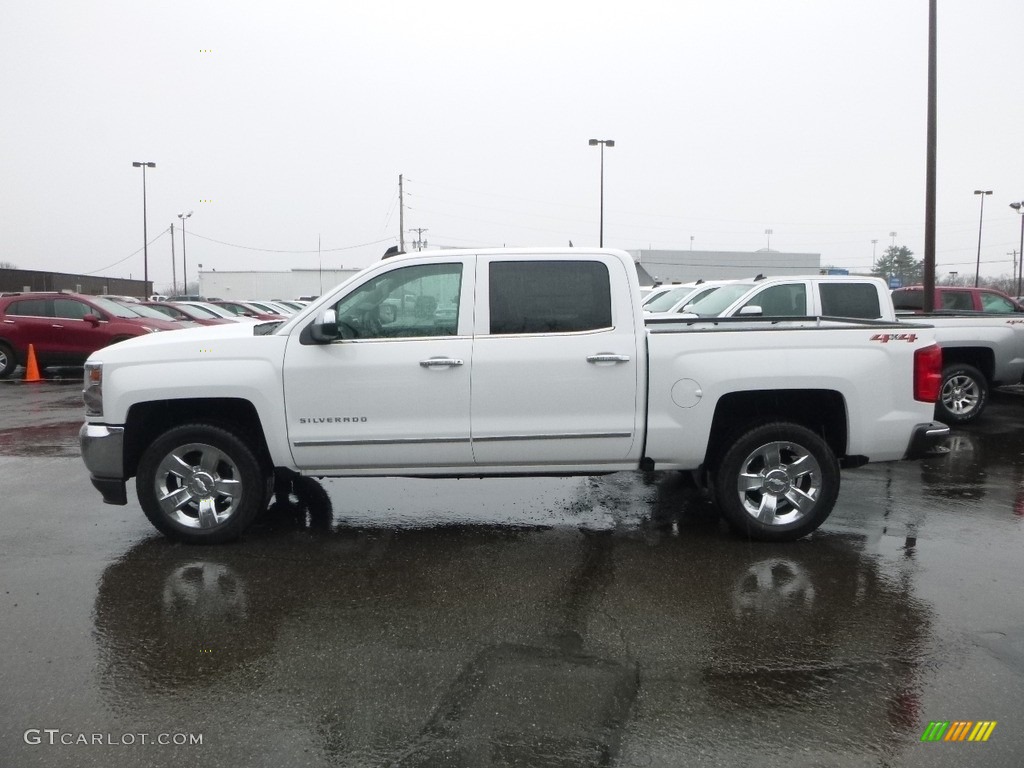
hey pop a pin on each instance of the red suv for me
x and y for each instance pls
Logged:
(955, 299)
(65, 328)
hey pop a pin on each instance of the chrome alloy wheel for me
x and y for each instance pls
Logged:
(198, 485)
(960, 394)
(779, 483)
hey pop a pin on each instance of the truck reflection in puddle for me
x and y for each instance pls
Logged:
(496, 645)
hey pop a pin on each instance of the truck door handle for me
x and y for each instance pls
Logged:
(607, 357)
(440, 362)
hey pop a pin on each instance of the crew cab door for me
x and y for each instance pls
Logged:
(396, 394)
(555, 362)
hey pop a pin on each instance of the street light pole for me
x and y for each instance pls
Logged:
(174, 266)
(145, 235)
(184, 258)
(603, 143)
(981, 217)
(1019, 208)
(768, 234)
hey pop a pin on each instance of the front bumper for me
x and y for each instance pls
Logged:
(103, 454)
(928, 440)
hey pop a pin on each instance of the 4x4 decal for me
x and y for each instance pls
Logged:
(885, 338)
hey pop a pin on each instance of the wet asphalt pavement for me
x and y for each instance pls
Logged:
(540, 622)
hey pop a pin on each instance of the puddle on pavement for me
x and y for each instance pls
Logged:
(46, 440)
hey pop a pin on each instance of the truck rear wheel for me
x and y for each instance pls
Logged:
(200, 484)
(778, 482)
(963, 395)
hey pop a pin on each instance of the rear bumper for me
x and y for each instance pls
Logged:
(927, 440)
(103, 454)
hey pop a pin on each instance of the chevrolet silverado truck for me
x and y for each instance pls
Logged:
(979, 351)
(503, 363)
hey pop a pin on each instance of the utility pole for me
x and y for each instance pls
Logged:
(931, 122)
(981, 218)
(174, 273)
(401, 217)
(419, 243)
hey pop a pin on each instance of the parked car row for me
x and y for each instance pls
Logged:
(65, 328)
(665, 300)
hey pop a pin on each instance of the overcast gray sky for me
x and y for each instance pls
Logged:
(279, 123)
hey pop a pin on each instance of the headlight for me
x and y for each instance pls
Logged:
(151, 330)
(92, 395)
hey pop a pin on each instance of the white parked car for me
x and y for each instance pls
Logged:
(681, 296)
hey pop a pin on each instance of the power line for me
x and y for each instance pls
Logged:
(274, 250)
(136, 252)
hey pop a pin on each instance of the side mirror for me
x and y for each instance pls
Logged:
(325, 329)
(751, 310)
(91, 319)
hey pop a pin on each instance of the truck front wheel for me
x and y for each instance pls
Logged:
(200, 484)
(963, 394)
(778, 482)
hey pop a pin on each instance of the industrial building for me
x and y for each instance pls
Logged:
(25, 280)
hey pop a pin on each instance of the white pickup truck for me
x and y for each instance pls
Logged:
(499, 363)
(979, 351)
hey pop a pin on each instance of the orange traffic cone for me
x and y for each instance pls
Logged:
(31, 366)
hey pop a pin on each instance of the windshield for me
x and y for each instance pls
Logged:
(143, 311)
(263, 307)
(665, 301)
(213, 309)
(197, 310)
(715, 303)
(696, 296)
(117, 310)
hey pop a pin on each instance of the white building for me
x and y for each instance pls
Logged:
(687, 266)
(290, 284)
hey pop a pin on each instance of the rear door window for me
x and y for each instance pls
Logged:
(850, 300)
(549, 297)
(31, 308)
(959, 300)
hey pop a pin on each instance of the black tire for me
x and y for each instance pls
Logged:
(780, 503)
(300, 501)
(211, 482)
(8, 362)
(963, 395)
